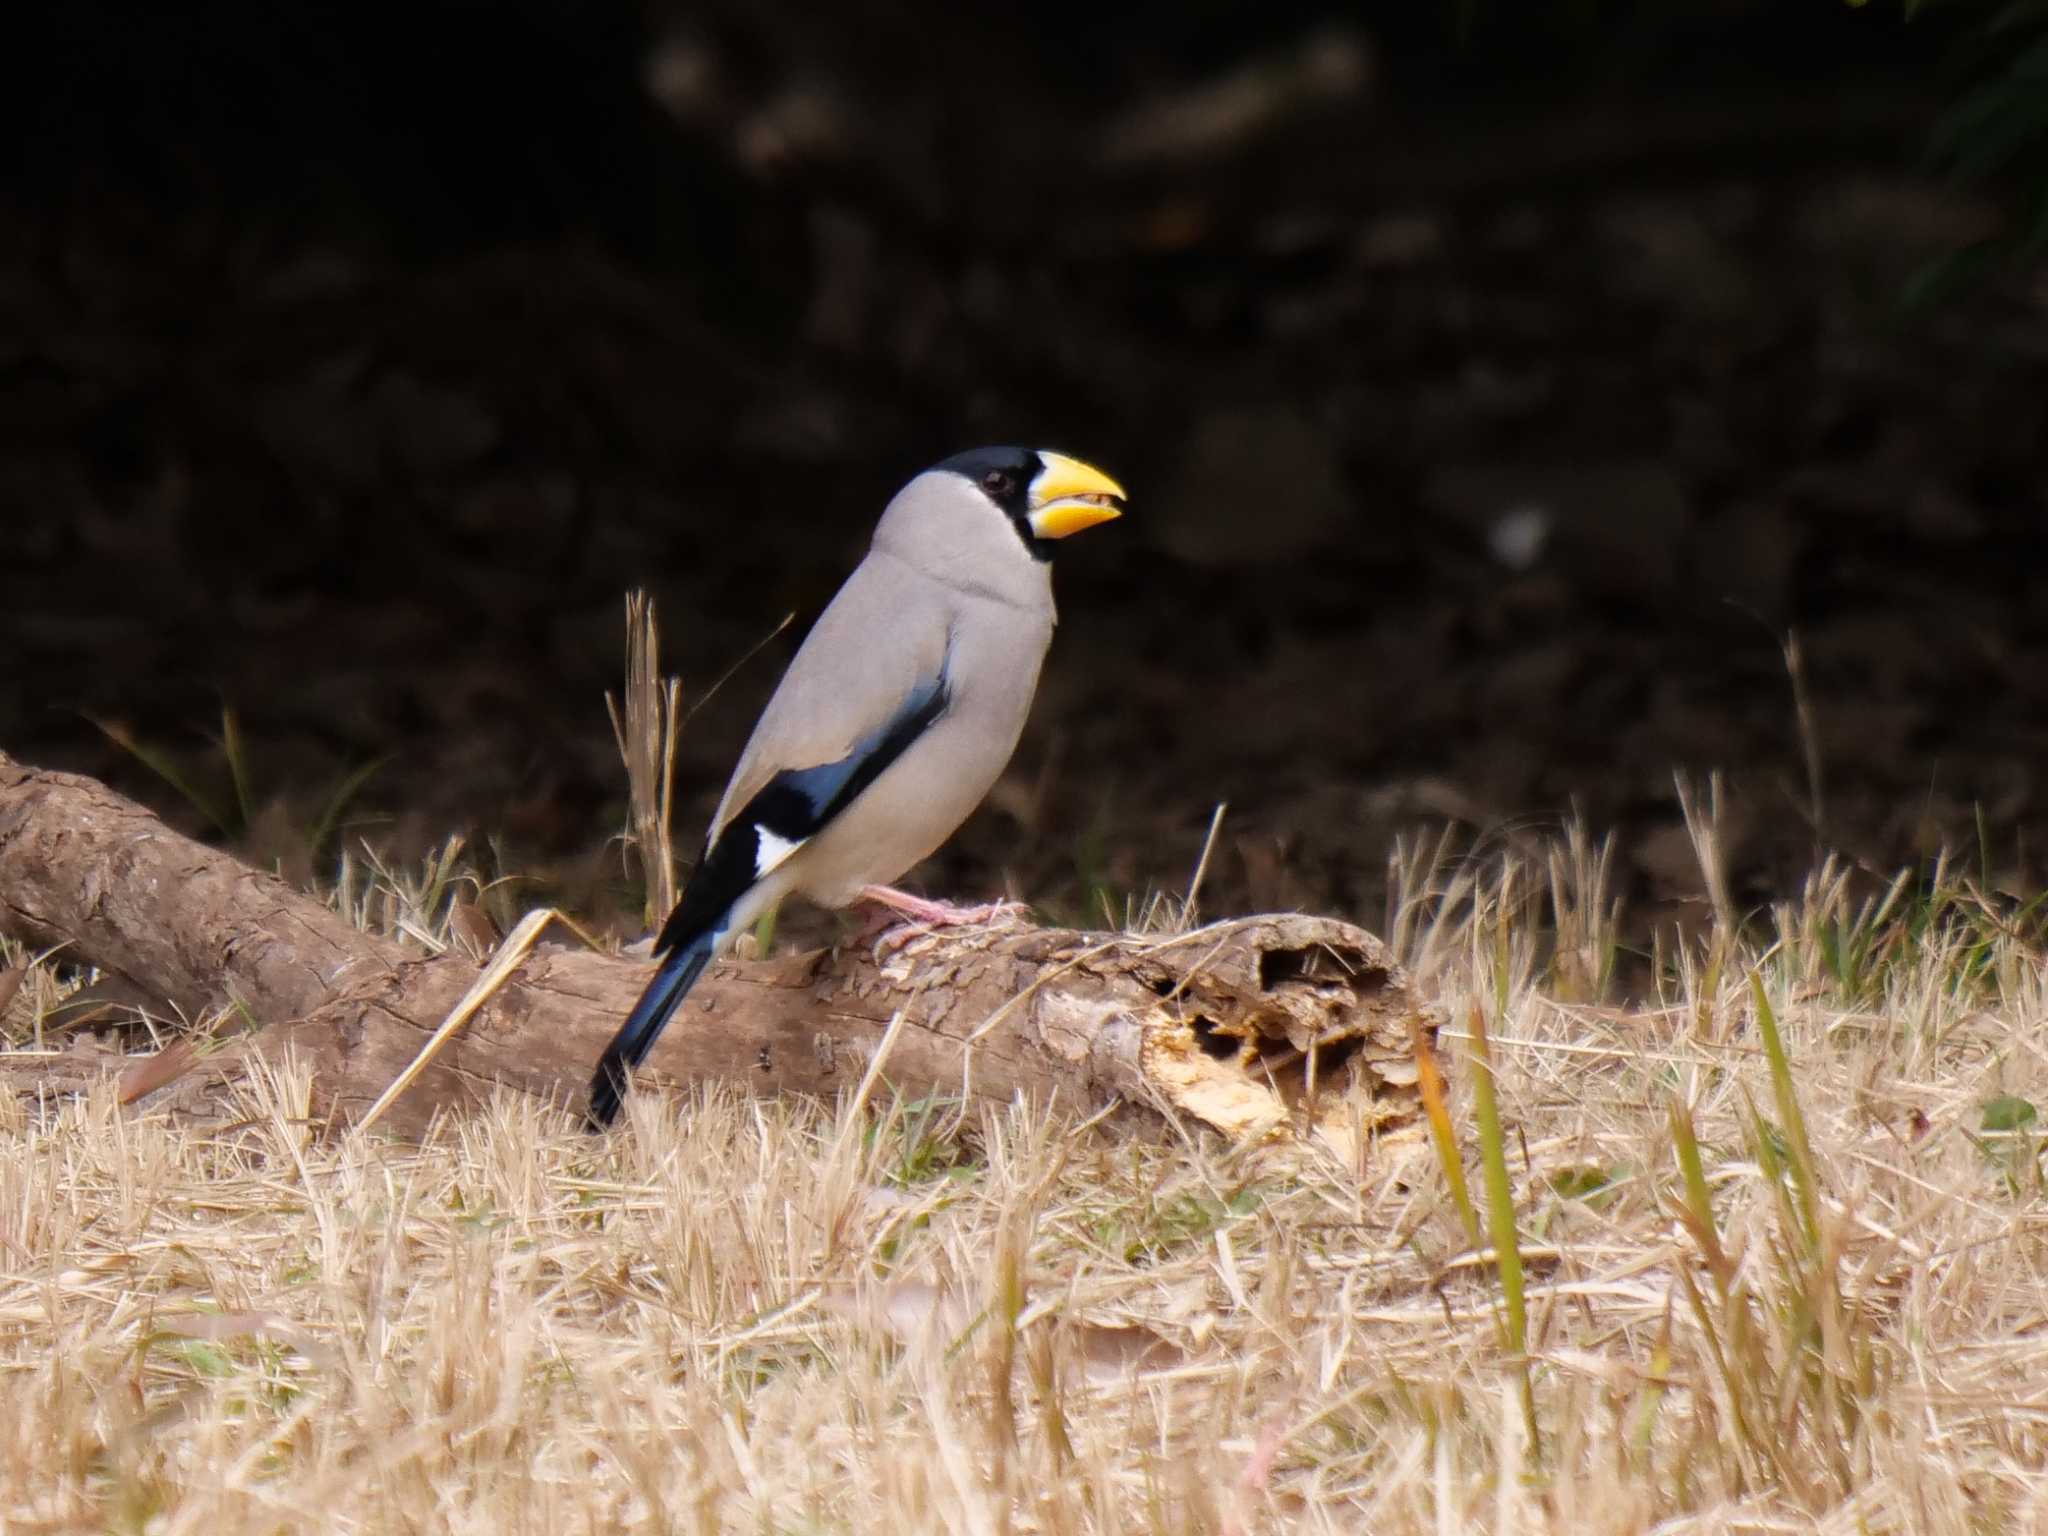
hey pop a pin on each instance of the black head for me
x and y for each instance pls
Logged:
(1004, 476)
(1046, 496)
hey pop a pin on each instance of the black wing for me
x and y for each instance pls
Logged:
(788, 810)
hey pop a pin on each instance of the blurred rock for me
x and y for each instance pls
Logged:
(1676, 250)
(805, 121)
(801, 119)
(1333, 64)
(1617, 525)
(1881, 229)
(1517, 537)
(683, 74)
(1395, 240)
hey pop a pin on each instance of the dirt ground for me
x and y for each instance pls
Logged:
(1488, 446)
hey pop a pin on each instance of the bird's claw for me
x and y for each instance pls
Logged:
(916, 915)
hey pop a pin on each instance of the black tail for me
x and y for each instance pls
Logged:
(679, 971)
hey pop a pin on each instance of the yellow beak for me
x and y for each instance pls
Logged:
(1068, 496)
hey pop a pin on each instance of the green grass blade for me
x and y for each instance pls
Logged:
(1699, 1200)
(235, 750)
(338, 803)
(1799, 1150)
(1500, 1214)
(162, 766)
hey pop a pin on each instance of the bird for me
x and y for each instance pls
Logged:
(893, 720)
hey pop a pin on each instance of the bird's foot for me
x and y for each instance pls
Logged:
(904, 916)
(938, 914)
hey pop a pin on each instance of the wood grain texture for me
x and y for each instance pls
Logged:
(1264, 1028)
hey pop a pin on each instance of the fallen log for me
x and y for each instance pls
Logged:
(1264, 1028)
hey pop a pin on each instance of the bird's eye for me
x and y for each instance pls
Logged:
(997, 483)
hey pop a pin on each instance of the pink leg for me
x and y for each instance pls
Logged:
(937, 914)
(920, 915)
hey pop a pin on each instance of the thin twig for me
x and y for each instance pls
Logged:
(511, 954)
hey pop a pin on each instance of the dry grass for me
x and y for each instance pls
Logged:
(1753, 1301)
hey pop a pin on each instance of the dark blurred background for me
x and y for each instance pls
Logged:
(1500, 387)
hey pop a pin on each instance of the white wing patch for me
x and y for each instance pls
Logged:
(770, 851)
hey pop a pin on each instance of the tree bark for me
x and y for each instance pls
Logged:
(1264, 1028)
